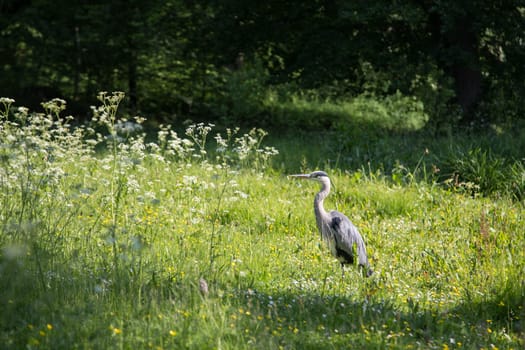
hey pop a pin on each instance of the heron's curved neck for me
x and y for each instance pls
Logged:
(319, 198)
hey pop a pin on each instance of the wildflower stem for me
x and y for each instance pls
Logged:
(215, 219)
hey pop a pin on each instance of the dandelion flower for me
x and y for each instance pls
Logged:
(115, 330)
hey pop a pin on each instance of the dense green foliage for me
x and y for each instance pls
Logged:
(107, 239)
(442, 61)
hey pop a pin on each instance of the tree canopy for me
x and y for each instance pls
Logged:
(461, 60)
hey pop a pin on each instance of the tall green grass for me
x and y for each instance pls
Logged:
(483, 163)
(105, 236)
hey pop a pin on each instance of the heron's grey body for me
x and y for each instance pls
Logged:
(336, 229)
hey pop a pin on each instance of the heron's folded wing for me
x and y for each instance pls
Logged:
(346, 235)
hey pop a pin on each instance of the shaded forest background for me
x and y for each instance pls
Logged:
(309, 64)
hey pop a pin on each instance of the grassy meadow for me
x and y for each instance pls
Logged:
(197, 240)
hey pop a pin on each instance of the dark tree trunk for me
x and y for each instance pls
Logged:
(78, 64)
(465, 65)
(455, 44)
(132, 85)
(132, 74)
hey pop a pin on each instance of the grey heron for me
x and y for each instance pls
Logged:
(336, 229)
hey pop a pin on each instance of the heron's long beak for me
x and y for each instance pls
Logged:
(300, 176)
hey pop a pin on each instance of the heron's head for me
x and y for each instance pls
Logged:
(319, 176)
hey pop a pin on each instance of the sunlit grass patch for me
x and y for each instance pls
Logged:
(108, 249)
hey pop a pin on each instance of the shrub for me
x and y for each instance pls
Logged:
(244, 93)
(483, 171)
(516, 183)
